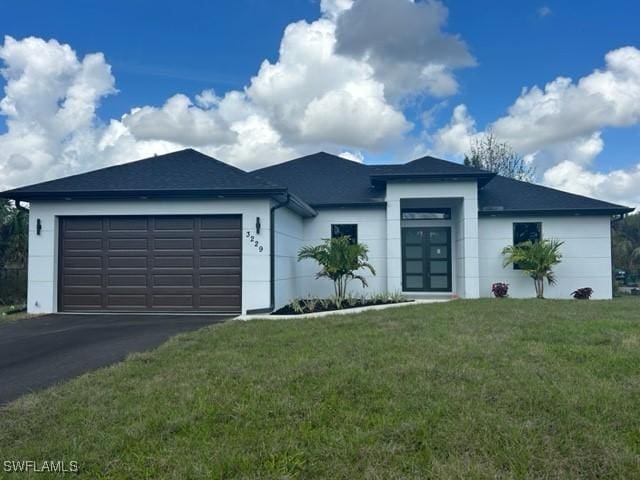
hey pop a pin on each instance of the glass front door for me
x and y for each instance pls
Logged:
(426, 259)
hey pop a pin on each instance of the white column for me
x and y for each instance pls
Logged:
(394, 247)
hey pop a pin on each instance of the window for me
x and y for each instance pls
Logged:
(523, 232)
(345, 229)
(426, 213)
(526, 231)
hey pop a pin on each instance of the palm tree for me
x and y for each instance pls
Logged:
(339, 259)
(536, 259)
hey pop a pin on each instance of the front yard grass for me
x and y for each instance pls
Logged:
(466, 389)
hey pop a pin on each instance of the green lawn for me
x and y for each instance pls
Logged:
(466, 389)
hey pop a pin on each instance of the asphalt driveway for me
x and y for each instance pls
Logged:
(38, 352)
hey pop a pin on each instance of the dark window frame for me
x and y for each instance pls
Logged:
(515, 242)
(444, 212)
(336, 227)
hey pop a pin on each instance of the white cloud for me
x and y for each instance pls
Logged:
(455, 137)
(311, 98)
(50, 105)
(620, 186)
(405, 44)
(353, 156)
(565, 109)
(560, 126)
(333, 8)
(180, 121)
(544, 11)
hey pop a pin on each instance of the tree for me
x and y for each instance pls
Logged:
(625, 239)
(488, 153)
(14, 231)
(536, 259)
(339, 259)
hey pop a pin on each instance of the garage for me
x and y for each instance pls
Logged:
(150, 263)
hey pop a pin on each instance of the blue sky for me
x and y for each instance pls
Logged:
(158, 49)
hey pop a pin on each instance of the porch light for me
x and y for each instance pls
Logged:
(258, 225)
(38, 226)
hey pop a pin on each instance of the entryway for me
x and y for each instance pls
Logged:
(426, 259)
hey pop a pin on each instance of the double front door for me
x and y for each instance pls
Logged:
(426, 259)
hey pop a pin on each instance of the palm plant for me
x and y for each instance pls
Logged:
(536, 259)
(340, 259)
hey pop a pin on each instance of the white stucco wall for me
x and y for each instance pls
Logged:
(43, 248)
(371, 231)
(288, 238)
(586, 254)
(466, 238)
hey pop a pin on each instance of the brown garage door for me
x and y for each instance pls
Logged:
(161, 263)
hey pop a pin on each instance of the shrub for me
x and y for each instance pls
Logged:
(500, 290)
(340, 260)
(583, 293)
(535, 259)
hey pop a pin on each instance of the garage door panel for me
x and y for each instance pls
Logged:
(173, 280)
(226, 300)
(138, 301)
(223, 252)
(94, 280)
(221, 271)
(130, 280)
(173, 300)
(218, 243)
(84, 224)
(128, 244)
(174, 224)
(173, 244)
(92, 300)
(209, 280)
(79, 245)
(151, 263)
(82, 262)
(128, 261)
(128, 224)
(220, 261)
(185, 261)
(231, 222)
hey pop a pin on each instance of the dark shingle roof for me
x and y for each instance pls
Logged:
(317, 180)
(325, 179)
(185, 171)
(507, 195)
(428, 167)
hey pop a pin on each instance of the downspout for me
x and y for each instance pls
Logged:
(272, 242)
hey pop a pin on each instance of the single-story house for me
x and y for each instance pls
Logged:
(184, 232)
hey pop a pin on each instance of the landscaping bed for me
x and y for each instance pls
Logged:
(316, 305)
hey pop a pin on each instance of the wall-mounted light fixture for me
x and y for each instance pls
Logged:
(258, 225)
(38, 226)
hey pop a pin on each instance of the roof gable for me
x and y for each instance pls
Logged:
(184, 171)
(322, 179)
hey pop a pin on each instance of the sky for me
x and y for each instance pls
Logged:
(256, 82)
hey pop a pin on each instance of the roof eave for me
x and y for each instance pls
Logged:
(373, 204)
(556, 212)
(481, 178)
(301, 207)
(127, 194)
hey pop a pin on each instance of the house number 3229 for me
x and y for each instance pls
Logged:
(254, 242)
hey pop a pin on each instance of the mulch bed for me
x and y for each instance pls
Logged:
(329, 306)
